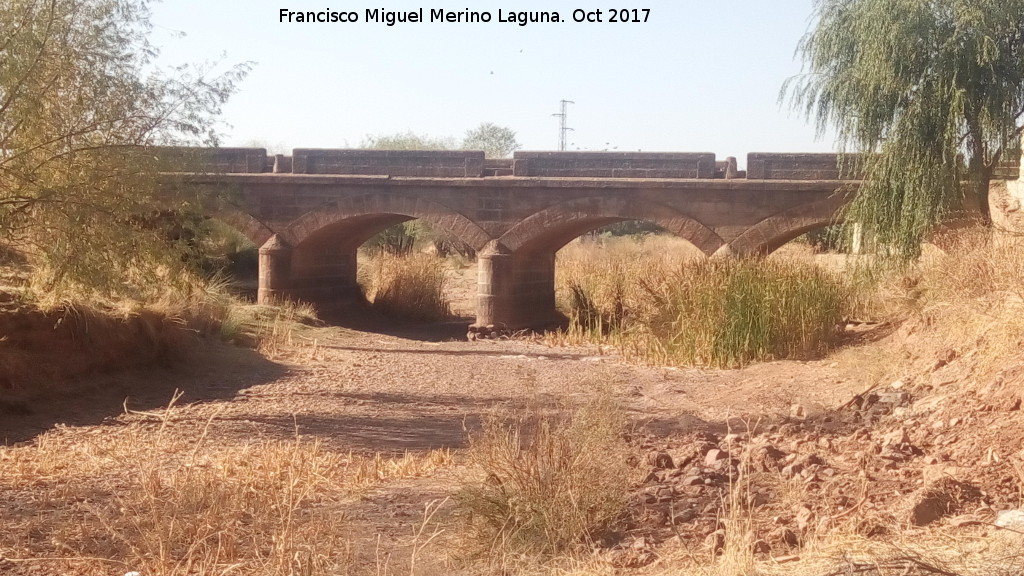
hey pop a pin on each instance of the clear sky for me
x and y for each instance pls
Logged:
(699, 75)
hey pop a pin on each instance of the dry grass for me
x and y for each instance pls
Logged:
(146, 504)
(271, 330)
(966, 298)
(158, 498)
(76, 333)
(408, 286)
(597, 282)
(544, 485)
(670, 310)
(972, 299)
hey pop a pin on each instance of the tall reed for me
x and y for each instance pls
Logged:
(722, 313)
(732, 312)
(408, 286)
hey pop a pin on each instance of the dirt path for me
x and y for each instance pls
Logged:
(386, 393)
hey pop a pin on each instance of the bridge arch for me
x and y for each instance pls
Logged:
(362, 215)
(517, 272)
(555, 226)
(773, 232)
(315, 257)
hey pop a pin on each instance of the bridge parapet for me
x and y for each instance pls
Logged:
(614, 164)
(217, 160)
(825, 166)
(423, 163)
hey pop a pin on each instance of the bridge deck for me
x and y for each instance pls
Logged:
(741, 184)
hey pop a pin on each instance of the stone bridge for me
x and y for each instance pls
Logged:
(310, 212)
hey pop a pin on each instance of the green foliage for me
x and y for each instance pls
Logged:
(408, 140)
(831, 238)
(933, 91)
(496, 141)
(733, 312)
(631, 228)
(80, 100)
(395, 239)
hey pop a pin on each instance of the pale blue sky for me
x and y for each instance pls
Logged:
(698, 76)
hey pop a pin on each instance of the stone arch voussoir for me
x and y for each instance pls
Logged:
(253, 229)
(337, 211)
(543, 227)
(773, 232)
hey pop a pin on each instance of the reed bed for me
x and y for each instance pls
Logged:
(409, 286)
(678, 310)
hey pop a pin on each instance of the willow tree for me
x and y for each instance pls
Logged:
(931, 90)
(81, 102)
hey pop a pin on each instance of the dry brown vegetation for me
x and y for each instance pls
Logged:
(582, 488)
(160, 499)
(550, 484)
(407, 285)
(659, 307)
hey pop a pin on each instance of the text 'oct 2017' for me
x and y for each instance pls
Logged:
(467, 16)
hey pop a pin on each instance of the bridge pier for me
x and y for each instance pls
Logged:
(275, 263)
(514, 291)
(312, 274)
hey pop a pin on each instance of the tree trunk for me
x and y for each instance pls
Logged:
(979, 189)
(979, 175)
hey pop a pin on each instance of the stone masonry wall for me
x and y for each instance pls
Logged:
(614, 164)
(423, 163)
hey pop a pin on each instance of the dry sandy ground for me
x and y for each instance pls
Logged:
(372, 392)
(390, 393)
(372, 386)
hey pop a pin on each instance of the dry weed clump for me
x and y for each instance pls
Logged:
(158, 497)
(544, 485)
(150, 505)
(597, 282)
(700, 312)
(270, 329)
(408, 285)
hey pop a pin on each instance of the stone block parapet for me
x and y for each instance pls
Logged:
(614, 164)
(422, 163)
(215, 160)
(769, 166)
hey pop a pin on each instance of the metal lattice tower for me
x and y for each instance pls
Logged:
(562, 128)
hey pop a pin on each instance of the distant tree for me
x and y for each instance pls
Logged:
(80, 103)
(933, 90)
(279, 147)
(408, 140)
(496, 141)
